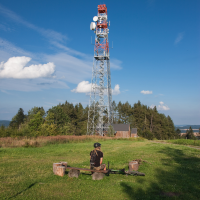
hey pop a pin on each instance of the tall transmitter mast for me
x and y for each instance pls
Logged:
(100, 109)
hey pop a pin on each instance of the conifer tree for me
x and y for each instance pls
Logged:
(18, 119)
(190, 134)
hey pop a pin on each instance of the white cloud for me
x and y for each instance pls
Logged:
(179, 38)
(161, 106)
(152, 106)
(28, 85)
(116, 90)
(15, 68)
(67, 49)
(50, 34)
(69, 68)
(71, 65)
(9, 49)
(4, 28)
(161, 103)
(83, 87)
(146, 92)
(4, 91)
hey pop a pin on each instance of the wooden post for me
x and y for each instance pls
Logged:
(60, 170)
(64, 164)
(133, 166)
(55, 165)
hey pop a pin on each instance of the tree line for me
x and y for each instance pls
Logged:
(69, 119)
(149, 123)
(188, 135)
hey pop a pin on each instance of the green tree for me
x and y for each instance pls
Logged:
(111, 131)
(57, 120)
(17, 119)
(57, 116)
(190, 134)
(2, 131)
(49, 129)
(178, 132)
(36, 122)
(34, 111)
(147, 134)
(115, 112)
(171, 128)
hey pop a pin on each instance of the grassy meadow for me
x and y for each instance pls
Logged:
(172, 171)
(185, 142)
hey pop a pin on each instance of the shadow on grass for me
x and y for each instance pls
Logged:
(30, 186)
(179, 178)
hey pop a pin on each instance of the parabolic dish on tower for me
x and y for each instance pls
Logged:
(92, 26)
(95, 18)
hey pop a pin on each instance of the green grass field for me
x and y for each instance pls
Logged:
(185, 142)
(174, 172)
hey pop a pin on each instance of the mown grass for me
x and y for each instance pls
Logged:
(26, 173)
(185, 142)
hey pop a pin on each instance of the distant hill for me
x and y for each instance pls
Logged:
(4, 122)
(187, 127)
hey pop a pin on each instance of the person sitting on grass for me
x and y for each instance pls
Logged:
(96, 158)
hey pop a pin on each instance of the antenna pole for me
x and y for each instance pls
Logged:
(100, 106)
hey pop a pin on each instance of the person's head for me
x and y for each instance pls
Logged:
(97, 145)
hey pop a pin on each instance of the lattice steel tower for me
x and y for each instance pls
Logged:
(100, 106)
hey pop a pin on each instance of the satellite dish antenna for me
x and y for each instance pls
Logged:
(92, 26)
(95, 18)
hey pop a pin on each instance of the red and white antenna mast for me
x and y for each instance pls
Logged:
(100, 109)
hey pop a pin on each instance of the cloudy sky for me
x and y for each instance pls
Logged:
(46, 55)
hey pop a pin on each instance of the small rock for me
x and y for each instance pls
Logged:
(74, 173)
(97, 176)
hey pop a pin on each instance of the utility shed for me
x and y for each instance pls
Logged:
(121, 130)
(134, 132)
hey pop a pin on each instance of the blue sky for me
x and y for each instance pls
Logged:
(46, 54)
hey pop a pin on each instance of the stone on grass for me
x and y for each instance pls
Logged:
(74, 173)
(97, 176)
